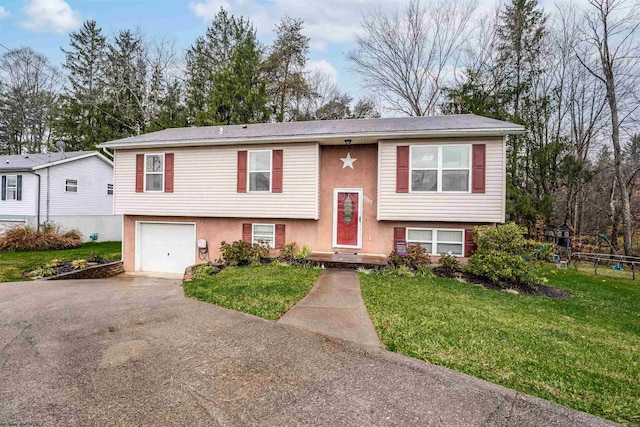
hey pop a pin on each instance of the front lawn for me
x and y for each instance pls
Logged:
(267, 291)
(582, 352)
(14, 263)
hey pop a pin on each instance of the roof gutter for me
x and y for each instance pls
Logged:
(315, 138)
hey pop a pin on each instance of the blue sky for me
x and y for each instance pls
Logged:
(331, 25)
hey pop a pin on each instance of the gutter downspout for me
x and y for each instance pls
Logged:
(38, 199)
(48, 193)
(107, 153)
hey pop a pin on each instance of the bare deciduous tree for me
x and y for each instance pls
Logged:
(29, 91)
(613, 57)
(405, 58)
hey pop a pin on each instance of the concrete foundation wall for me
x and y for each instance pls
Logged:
(109, 227)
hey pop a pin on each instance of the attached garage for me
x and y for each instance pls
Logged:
(165, 247)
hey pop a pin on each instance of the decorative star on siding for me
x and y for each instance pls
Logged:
(347, 162)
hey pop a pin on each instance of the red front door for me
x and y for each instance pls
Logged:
(347, 219)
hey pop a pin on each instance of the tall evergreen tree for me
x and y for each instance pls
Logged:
(126, 77)
(80, 121)
(285, 68)
(209, 56)
(239, 93)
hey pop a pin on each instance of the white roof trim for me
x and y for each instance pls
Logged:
(318, 138)
(71, 159)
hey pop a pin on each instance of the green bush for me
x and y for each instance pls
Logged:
(417, 258)
(48, 238)
(503, 254)
(449, 262)
(289, 252)
(242, 253)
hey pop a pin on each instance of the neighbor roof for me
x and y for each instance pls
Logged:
(385, 128)
(21, 162)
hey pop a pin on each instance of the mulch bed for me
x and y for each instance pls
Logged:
(66, 267)
(521, 287)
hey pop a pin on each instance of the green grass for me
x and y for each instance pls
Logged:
(582, 352)
(266, 291)
(14, 263)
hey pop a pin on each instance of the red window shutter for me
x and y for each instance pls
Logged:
(280, 240)
(469, 245)
(276, 185)
(242, 171)
(478, 168)
(247, 233)
(402, 169)
(139, 173)
(399, 233)
(168, 173)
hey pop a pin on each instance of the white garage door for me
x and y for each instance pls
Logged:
(165, 248)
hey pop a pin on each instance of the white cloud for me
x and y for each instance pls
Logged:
(4, 13)
(328, 21)
(50, 16)
(325, 67)
(208, 9)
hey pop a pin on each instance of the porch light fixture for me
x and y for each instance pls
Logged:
(347, 142)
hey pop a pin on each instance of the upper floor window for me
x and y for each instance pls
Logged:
(110, 189)
(71, 186)
(11, 190)
(440, 168)
(154, 172)
(259, 175)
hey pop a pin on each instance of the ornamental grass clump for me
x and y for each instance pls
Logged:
(504, 254)
(25, 238)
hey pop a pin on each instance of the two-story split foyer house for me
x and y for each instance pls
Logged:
(336, 186)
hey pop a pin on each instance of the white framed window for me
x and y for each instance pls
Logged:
(110, 189)
(440, 168)
(264, 233)
(154, 172)
(437, 241)
(12, 187)
(259, 176)
(71, 186)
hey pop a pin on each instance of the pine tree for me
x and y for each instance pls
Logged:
(210, 57)
(80, 121)
(126, 97)
(285, 68)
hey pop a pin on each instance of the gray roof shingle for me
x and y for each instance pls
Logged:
(323, 129)
(30, 161)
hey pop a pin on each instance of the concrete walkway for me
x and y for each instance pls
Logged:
(334, 308)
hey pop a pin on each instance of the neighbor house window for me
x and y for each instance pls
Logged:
(260, 170)
(440, 168)
(71, 186)
(264, 233)
(154, 172)
(110, 189)
(437, 241)
(12, 187)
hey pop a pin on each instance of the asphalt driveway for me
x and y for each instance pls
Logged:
(134, 351)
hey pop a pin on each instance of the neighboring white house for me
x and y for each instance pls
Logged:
(74, 190)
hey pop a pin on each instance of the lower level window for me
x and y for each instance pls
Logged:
(437, 241)
(71, 185)
(264, 233)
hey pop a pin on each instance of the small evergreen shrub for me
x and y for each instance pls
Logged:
(242, 253)
(503, 254)
(417, 258)
(26, 238)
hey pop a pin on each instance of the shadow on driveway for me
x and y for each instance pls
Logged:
(132, 350)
